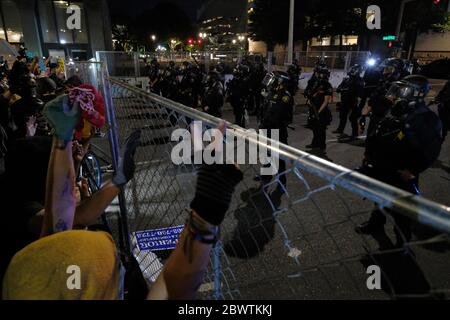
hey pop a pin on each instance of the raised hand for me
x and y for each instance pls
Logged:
(126, 165)
(62, 117)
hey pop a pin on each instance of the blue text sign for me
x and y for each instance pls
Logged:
(159, 239)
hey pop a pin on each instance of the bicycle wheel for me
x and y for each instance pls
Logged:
(91, 170)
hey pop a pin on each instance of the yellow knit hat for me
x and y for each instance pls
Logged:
(44, 270)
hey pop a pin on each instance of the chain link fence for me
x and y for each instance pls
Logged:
(298, 244)
(335, 60)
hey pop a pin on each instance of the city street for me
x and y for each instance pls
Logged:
(309, 249)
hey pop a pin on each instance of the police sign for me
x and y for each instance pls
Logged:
(159, 239)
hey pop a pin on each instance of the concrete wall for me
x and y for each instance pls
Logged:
(433, 42)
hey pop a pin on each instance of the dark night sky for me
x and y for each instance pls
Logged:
(134, 7)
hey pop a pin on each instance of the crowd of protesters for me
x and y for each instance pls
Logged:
(49, 216)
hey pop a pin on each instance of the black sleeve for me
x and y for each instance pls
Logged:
(328, 90)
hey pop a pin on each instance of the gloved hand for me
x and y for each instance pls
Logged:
(62, 117)
(126, 166)
(215, 186)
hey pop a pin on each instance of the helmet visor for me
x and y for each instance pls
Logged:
(269, 80)
(400, 91)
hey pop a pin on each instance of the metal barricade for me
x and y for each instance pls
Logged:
(298, 244)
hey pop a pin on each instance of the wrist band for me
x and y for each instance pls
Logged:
(200, 229)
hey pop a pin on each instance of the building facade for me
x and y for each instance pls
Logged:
(44, 28)
(432, 46)
(225, 24)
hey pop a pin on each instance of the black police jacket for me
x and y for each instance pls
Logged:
(279, 113)
(318, 94)
(351, 89)
(378, 102)
(408, 142)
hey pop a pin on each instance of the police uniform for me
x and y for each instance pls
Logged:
(238, 93)
(279, 115)
(379, 104)
(407, 142)
(154, 76)
(213, 98)
(351, 89)
(321, 120)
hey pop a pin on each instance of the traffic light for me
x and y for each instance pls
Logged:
(436, 2)
(190, 41)
(394, 44)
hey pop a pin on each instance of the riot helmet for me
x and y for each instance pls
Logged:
(355, 71)
(275, 80)
(392, 68)
(407, 93)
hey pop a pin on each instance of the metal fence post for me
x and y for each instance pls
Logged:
(217, 269)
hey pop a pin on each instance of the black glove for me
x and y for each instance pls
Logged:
(215, 186)
(125, 168)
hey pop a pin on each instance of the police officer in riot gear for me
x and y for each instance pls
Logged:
(378, 105)
(350, 89)
(405, 143)
(154, 76)
(256, 78)
(213, 98)
(279, 113)
(238, 93)
(187, 85)
(169, 82)
(294, 70)
(311, 87)
(319, 99)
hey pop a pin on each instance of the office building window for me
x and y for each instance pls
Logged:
(54, 31)
(2, 31)
(12, 23)
(81, 36)
(47, 20)
(65, 35)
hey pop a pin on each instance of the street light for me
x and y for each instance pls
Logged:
(153, 37)
(234, 41)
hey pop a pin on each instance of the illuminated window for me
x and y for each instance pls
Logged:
(81, 36)
(2, 32)
(14, 31)
(54, 31)
(65, 35)
(47, 19)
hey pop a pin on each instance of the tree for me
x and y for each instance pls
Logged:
(124, 34)
(424, 16)
(166, 21)
(269, 22)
